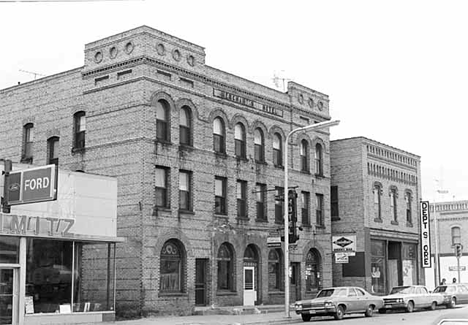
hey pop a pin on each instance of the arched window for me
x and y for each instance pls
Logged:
(239, 137)
(218, 136)
(259, 142)
(313, 267)
(53, 150)
(456, 235)
(28, 138)
(277, 150)
(225, 268)
(172, 267)
(275, 267)
(185, 127)
(318, 159)
(378, 201)
(304, 156)
(162, 120)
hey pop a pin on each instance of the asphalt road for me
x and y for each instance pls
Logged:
(390, 318)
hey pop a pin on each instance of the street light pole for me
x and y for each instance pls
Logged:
(315, 126)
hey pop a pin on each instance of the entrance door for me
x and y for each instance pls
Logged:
(7, 296)
(295, 282)
(249, 287)
(200, 281)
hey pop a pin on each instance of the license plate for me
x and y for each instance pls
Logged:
(388, 306)
(312, 312)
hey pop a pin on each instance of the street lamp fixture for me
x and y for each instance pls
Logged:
(316, 126)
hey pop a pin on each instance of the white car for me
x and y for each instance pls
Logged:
(409, 298)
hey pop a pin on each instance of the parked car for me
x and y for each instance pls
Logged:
(410, 297)
(338, 301)
(454, 293)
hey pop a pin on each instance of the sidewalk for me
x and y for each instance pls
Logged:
(251, 319)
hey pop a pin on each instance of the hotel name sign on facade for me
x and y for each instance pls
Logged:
(247, 102)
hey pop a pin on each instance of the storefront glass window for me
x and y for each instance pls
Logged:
(9, 248)
(313, 281)
(274, 270)
(377, 266)
(409, 264)
(55, 283)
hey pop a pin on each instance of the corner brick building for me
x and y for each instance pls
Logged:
(375, 194)
(198, 157)
(452, 221)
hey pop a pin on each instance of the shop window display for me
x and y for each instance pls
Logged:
(66, 276)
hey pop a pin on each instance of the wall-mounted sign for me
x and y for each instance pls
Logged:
(32, 185)
(11, 224)
(344, 243)
(425, 235)
(247, 102)
(341, 258)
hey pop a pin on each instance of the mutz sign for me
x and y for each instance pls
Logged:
(425, 235)
(32, 185)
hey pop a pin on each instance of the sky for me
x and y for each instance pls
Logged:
(395, 71)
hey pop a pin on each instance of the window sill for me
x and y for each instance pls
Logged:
(226, 293)
(78, 150)
(186, 147)
(319, 175)
(261, 163)
(379, 220)
(157, 210)
(165, 142)
(220, 154)
(276, 292)
(242, 218)
(335, 219)
(242, 159)
(261, 220)
(307, 172)
(320, 226)
(190, 212)
(173, 294)
(279, 166)
(393, 222)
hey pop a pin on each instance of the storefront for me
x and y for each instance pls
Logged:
(55, 268)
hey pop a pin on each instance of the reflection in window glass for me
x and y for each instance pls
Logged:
(9, 248)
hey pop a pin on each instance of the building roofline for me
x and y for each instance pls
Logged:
(363, 138)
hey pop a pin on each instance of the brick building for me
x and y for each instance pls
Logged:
(375, 190)
(198, 157)
(452, 221)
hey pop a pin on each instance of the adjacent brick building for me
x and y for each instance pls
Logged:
(198, 157)
(375, 193)
(452, 222)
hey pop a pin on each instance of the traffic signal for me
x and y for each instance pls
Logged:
(458, 250)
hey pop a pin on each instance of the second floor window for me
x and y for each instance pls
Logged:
(259, 142)
(220, 195)
(408, 199)
(53, 150)
(241, 199)
(161, 187)
(279, 204)
(219, 145)
(393, 204)
(80, 130)
(239, 137)
(378, 201)
(28, 137)
(318, 159)
(185, 132)
(456, 235)
(320, 220)
(277, 150)
(304, 156)
(162, 120)
(185, 190)
(260, 191)
(305, 202)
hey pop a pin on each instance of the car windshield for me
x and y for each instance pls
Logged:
(403, 290)
(440, 289)
(332, 292)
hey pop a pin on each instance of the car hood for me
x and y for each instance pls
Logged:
(316, 300)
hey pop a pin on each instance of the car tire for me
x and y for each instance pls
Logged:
(369, 311)
(339, 313)
(433, 306)
(382, 311)
(452, 303)
(410, 307)
(306, 317)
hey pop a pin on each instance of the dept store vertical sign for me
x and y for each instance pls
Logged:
(425, 235)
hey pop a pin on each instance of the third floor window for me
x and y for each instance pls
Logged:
(28, 137)
(162, 120)
(185, 127)
(219, 144)
(239, 137)
(277, 150)
(259, 142)
(80, 130)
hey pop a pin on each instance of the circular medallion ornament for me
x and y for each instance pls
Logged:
(129, 47)
(191, 60)
(300, 98)
(320, 106)
(176, 55)
(161, 49)
(113, 52)
(98, 57)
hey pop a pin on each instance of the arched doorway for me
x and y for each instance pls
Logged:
(251, 279)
